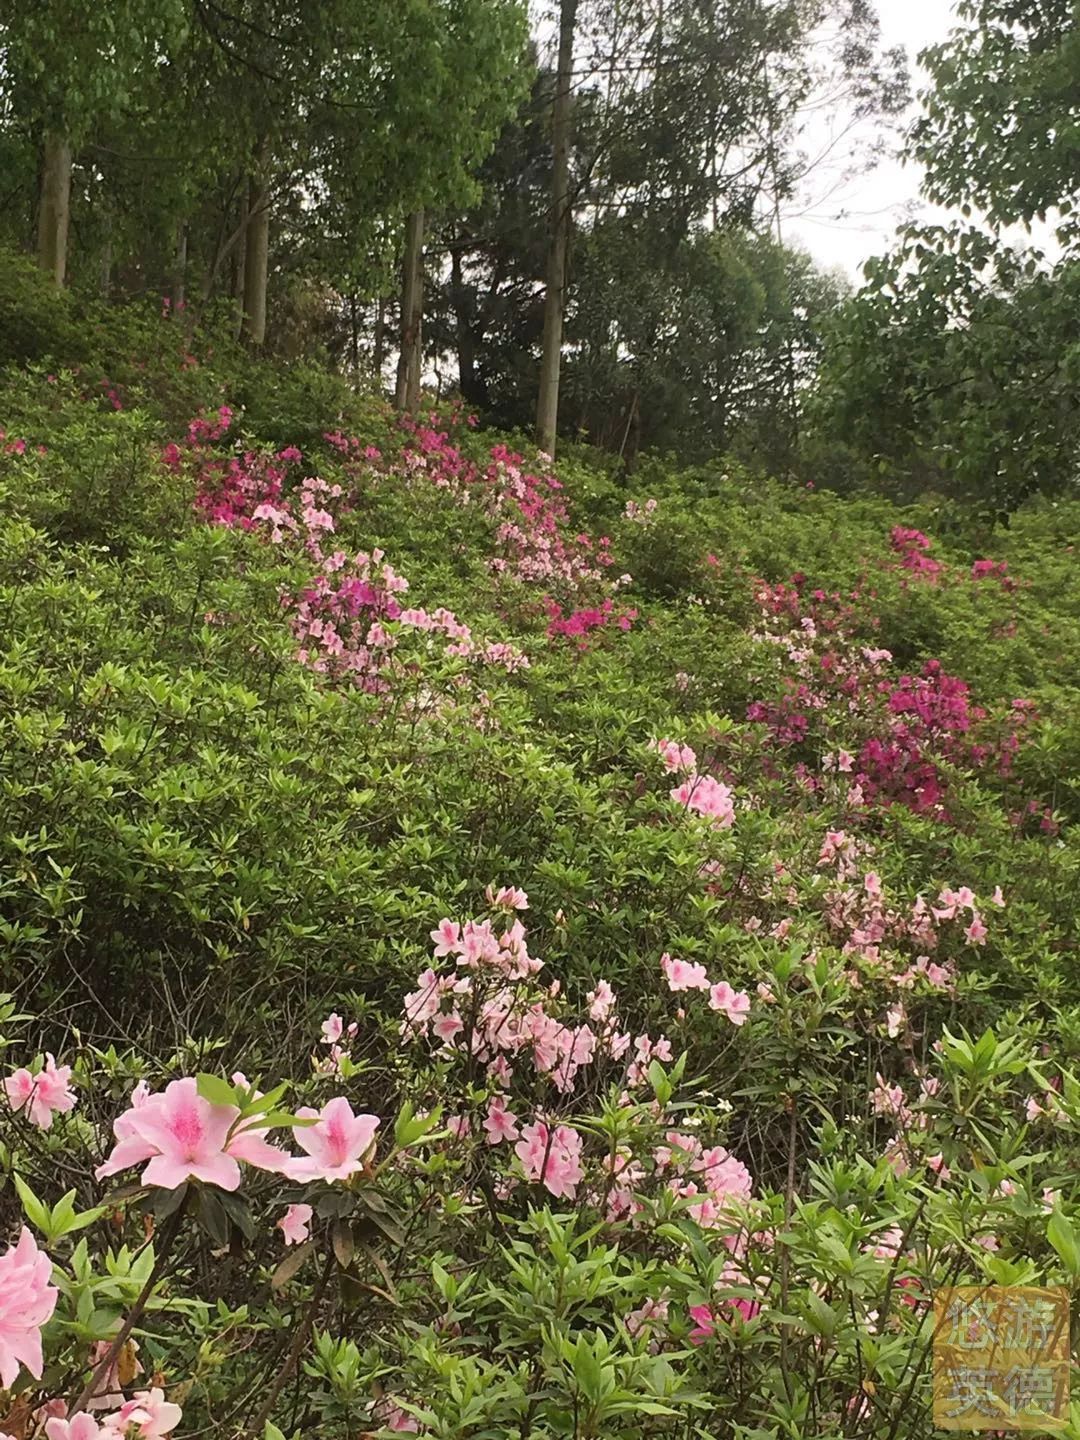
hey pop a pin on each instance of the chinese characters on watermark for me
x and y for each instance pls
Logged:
(1001, 1357)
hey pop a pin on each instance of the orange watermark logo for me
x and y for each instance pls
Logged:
(1001, 1357)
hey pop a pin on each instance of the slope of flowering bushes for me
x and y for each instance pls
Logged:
(494, 949)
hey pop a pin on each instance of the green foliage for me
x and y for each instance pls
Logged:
(954, 370)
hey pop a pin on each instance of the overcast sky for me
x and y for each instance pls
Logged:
(846, 221)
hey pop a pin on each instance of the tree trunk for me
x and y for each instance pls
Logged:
(378, 357)
(179, 284)
(407, 392)
(54, 209)
(354, 338)
(547, 404)
(256, 262)
(468, 384)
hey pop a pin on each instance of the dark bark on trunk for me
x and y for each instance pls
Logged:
(54, 208)
(407, 392)
(471, 389)
(256, 262)
(179, 284)
(378, 359)
(547, 404)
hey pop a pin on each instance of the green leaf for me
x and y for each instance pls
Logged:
(1062, 1237)
(216, 1090)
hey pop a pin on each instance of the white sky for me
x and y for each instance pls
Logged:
(845, 221)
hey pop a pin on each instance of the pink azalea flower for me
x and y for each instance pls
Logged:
(294, 1224)
(499, 1123)
(708, 797)
(553, 1157)
(976, 932)
(704, 1324)
(336, 1145)
(735, 1004)
(511, 897)
(446, 1027)
(44, 1094)
(332, 1028)
(107, 1389)
(681, 975)
(27, 1302)
(78, 1427)
(447, 938)
(152, 1416)
(183, 1136)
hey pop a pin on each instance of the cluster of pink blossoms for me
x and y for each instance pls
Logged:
(146, 1416)
(682, 975)
(701, 793)
(42, 1095)
(908, 727)
(708, 797)
(180, 1135)
(27, 1301)
(533, 540)
(347, 621)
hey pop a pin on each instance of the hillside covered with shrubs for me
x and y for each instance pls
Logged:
(509, 948)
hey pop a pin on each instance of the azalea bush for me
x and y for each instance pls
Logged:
(493, 948)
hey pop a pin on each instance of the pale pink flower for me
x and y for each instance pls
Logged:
(108, 1391)
(511, 897)
(80, 1426)
(183, 1136)
(646, 1315)
(447, 1027)
(997, 898)
(499, 1122)
(294, 1224)
(44, 1094)
(735, 1004)
(872, 883)
(708, 797)
(336, 1144)
(393, 1417)
(601, 1001)
(553, 1157)
(976, 932)
(27, 1301)
(681, 975)
(332, 1028)
(447, 938)
(675, 756)
(152, 1416)
(844, 761)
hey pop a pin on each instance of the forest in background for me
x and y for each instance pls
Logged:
(509, 946)
(578, 228)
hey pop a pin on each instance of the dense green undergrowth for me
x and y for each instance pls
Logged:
(217, 828)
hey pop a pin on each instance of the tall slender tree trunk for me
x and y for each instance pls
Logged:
(547, 404)
(466, 336)
(179, 283)
(54, 208)
(256, 261)
(407, 391)
(378, 356)
(354, 337)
